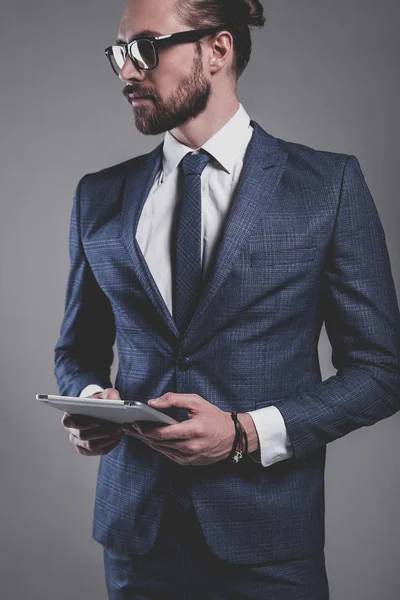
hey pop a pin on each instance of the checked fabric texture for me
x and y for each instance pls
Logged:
(303, 244)
(188, 271)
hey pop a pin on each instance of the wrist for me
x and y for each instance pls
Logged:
(252, 435)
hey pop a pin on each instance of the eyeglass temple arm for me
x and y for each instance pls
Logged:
(187, 36)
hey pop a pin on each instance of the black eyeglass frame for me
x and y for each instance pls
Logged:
(161, 41)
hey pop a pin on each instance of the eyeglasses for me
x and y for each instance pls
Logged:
(143, 52)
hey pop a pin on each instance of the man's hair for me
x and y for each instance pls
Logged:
(235, 16)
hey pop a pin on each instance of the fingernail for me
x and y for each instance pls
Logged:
(154, 401)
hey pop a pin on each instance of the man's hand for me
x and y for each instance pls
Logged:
(205, 438)
(91, 436)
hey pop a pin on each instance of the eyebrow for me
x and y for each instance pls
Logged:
(141, 34)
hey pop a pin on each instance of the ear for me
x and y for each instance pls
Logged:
(222, 49)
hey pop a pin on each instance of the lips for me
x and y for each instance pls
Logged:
(131, 97)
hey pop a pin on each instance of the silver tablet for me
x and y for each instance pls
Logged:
(117, 411)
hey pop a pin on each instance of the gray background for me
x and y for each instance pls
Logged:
(323, 74)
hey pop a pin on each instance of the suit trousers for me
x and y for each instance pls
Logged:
(181, 565)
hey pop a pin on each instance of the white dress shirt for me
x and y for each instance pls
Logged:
(154, 236)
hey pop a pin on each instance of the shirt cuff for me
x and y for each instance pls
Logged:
(87, 391)
(272, 434)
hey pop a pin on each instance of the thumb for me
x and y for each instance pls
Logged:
(185, 401)
(110, 394)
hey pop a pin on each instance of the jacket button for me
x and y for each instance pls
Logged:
(184, 363)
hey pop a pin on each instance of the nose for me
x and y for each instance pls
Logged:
(129, 71)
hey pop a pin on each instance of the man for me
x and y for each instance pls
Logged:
(214, 260)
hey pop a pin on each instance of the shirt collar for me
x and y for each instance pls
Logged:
(225, 145)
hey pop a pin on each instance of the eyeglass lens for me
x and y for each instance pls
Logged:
(142, 52)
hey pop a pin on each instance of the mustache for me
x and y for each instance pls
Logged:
(129, 89)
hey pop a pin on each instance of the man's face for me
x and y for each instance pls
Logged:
(178, 89)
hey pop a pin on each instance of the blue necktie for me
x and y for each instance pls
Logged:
(188, 270)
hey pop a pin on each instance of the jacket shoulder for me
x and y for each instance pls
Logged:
(313, 157)
(113, 175)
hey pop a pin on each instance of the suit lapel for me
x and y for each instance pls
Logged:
(138, 184)
(262, 170)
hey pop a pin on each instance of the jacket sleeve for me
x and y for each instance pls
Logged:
(362, 321)
(84, 350)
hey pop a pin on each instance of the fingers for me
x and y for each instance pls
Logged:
(173, 449)
(91, 436)
(102, 431)
(107, 394)
(168, 433)
(84, 422)
(101, 452)
(142, 427)
(79, 421)
(110, 394)
(95, 447)
(168, 452)
(191, 402)
(176, 451)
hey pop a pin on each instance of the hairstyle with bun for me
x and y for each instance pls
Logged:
(236, 16)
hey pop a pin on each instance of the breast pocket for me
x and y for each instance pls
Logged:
(283, 256)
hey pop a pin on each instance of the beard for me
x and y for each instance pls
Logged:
(186, 102)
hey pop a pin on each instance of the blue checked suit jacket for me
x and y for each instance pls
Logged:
(303, 243)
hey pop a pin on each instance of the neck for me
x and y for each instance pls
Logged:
(195, 132)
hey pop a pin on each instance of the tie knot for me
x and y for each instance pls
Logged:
(194, 164)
